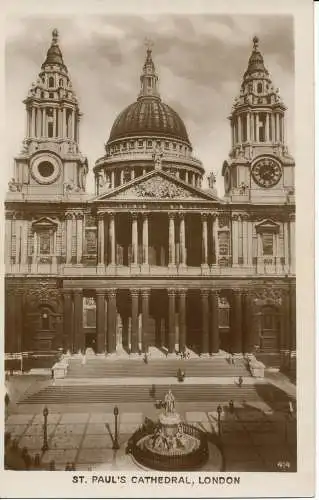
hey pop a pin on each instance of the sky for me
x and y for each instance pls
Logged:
(200, 60)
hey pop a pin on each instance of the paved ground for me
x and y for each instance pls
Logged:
(257, 437)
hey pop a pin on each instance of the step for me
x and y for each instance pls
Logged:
(136, 393)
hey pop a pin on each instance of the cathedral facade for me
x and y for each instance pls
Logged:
(152, 259)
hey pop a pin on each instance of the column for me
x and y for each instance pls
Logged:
(111, 320)
(187, 176)
(267, 128)
(248, 126)
(134, 239)
(215, 236)
(112, 239)
(236, 321)
(60, 118)
(39, 122)
(122, 176)
(18, 321)
(145, 238)
(101, 239)
(273, 128)
(68, 321)
(100, 320)
(69, 238)
(171, 320)
(239, 128)
(72, 124)
(55, 248)
(132, 174)
(249, 340)
(145, 318)
(24, 242)
(32, 122)
(292, 327)
(214, 322)
(182, 240)
(277, 127)
(43, 127)
(112, 179)
(205, 322)
(292, 244)
(134, 335)
(204, 241)
(235, 239)
(35, 248)
(252, 127)
(245, 238)
(79, 238)
(171, 239)
(64, 127)
(182, 319)
(78, 317)
(249, 242)
(18, 240)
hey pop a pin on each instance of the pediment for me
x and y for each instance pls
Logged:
(267, 225)
(157, 186)
(44, 223)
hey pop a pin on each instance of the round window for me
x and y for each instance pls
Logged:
(45, 169)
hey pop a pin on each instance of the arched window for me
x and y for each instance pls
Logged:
(259, 87)
(51, 81)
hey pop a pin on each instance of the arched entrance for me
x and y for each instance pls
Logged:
(269, 333)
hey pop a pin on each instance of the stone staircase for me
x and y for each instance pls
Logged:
(99, 367)
(115, 394)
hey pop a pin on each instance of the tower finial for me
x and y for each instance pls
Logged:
(255, 42)
(55, 36)
(148, 44)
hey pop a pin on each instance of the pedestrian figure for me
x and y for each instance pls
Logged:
(240, 381)
(231, 406)
(37, 461)
(232, 359)
(145, 358)
(83, 358)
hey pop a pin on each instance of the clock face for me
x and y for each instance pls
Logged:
(45, 170)
(266, 173)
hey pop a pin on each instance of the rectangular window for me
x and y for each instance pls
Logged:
(140, 144)
(90, 242)
(149, 144)
(223, 243)
(44, 243)
(267, 243)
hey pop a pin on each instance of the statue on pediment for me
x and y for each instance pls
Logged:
(157, 157)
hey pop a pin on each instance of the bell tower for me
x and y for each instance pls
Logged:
(50, 164)
(259, 167)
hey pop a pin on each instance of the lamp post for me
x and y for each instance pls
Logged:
(45, 446)
(219, 412)
(116, 445)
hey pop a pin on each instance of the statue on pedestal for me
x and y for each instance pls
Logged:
(158, 157)
(169, 401)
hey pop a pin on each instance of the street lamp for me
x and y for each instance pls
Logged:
(116, 445)
(45, 446)
(219, 412)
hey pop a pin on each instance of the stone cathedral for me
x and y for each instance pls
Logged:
(151, 261)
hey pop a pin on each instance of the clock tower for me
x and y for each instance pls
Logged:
(50, 165)
(259, 168)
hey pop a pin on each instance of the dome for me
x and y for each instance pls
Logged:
(149, 116)
(54, 54)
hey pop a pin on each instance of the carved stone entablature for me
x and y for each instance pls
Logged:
(268, 295)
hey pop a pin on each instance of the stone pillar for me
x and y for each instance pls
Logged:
(267, 128)
(69, 229)
(72, 124)
(249, 242)
(204, 241)
(205, 322)
(134, 335)
(182, 319)
(236, 321)
(171, 238)
(132, 174)
(101, 239)
(68, 321)
(239, 128)
(171, 320)
(292, 328)
(252, 127)
(187, 176)
(32, 122)
(18, 321)
(122, 176)
(35, 248)
(100, 320)
(277, 127)
(235, 239)
(111, 320)
(39, 132)
(78, 321)
(292, 244)
(215, 233)
(245, 240)
(64, 127)
(145, 238)
(134, 239)
(273, 128)
(214, 322)
(248, 324)
(112, 179)
(24, 242)
(79, 238)
(55, 248)
(182, 240)
(145, 318)
(112, 239)
(248, 126)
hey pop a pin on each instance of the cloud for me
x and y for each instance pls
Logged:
(200, 60)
